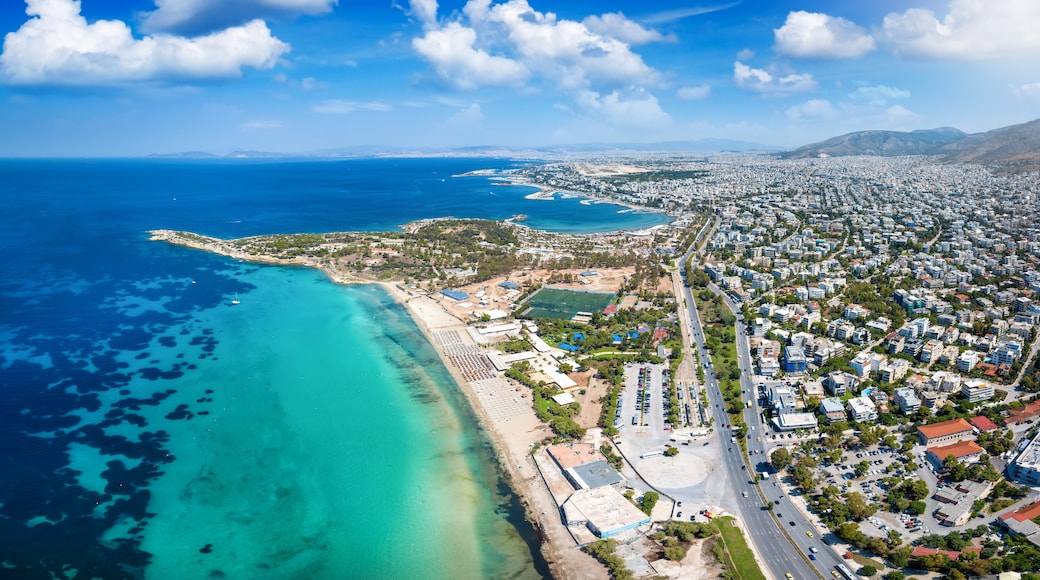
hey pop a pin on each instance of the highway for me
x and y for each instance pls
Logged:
(784, 548)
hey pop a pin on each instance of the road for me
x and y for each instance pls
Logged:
(771, 534)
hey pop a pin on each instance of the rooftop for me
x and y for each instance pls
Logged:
(945, 428)
(958, 450)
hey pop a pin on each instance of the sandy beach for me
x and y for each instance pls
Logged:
(513, 437)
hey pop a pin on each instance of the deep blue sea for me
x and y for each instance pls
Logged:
(151, 429)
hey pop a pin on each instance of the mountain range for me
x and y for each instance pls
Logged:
(1013, 149)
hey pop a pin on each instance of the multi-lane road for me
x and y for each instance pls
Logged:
(783, 537)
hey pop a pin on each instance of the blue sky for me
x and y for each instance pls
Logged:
(133, 77)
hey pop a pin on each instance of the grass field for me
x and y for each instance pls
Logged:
(563, 304)
(740, 554)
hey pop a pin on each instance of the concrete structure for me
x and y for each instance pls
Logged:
(781, 398)
(794, 360)
(976, 391)
(593, 475)
(945, 432)
(603, 510)
(1021, 523)
(833, 409)
(959, 500)
(1026, 467)
(792, 421)
(907, 400)
(862, 409)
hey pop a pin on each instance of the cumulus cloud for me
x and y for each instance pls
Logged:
(634, 107)
(617, 26)
(694, 93)
(58, 47)
(811, 110)
(1030, 90)
(342, 107)
(457, 61)
(425, 11)
(816, 35)
(511, 43)
(878, 95)
(202, 16)
(970, 30)
(762, 81)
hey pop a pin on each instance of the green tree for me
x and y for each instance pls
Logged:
(917, 507)
(868, 571)
(674, 553)
(648, 501)
(780, 458)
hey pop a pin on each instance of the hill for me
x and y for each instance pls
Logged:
(1013, 149)
(883, 143)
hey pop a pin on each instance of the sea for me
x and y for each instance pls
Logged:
(166, 413)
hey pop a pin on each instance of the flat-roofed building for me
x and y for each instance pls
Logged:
(795, 360)
(1026, 467)
(862, 409)
(907, 401)
(792, 421)
(833, 409)
(603, 510)
(976, 391)
(945, 432)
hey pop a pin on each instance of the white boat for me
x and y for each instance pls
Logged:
(236, 300)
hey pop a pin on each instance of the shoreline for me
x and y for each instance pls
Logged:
(511, 440)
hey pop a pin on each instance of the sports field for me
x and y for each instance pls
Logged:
(563, 304)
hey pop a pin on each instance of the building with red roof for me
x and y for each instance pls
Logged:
(1024, 413)
(1020, 522)
(946, 432)
(982, 423)
(965, 451)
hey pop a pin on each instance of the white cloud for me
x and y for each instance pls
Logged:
(511, 43)
(451, 51)
(762, 81)
(616, 25)
(681, 13)
(635, 108)
(58, 47)
(694, 93)
(342, 107)
(813, 109)
(199, 16)
(261, 125)
(425, 11)
(970, 30)
(746, 54)
(817, 35)
(1029, 90)
(878, 95)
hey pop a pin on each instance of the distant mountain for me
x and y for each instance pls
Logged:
(882, 143)
(1013, 149)
(549, 151)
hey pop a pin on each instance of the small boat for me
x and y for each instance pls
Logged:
(236, 300)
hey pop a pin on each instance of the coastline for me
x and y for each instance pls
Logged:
(511, 438)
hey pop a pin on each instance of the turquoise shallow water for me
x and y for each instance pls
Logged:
(331, 449)
(150, 429)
